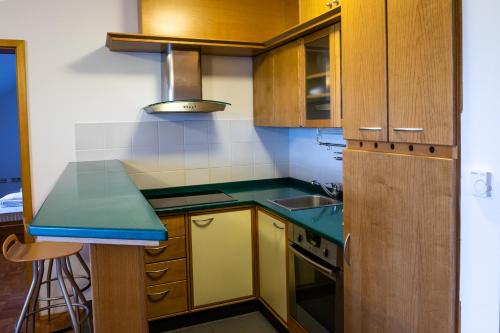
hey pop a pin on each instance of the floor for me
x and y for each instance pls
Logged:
(14, 282)
(13, 288)
(253, 322)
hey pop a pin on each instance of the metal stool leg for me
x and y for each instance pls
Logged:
(76, 289)
(34, 303)
(62, 286)
(48, 285)
(28, 298)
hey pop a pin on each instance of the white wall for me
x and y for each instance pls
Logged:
(73, 78)
(480, 218)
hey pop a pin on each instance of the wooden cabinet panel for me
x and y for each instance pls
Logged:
(174, 248)
(165, 271)
(272, 263)
(421, 71)
(364, 79)
(242, 20)
(310, 9)
(263, 89)
(400, 213)
(175, 224)
(288, 100)
(165, 299)
(221, 256)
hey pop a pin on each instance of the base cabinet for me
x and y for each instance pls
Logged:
(400, 226)
(221, 257)
(272, 263)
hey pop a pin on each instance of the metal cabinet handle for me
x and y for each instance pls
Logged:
(330, 4)
(162, 294)
(158, 271)
(277, 226)
(408, 129)
(320, 267)
(370, 128)
(203, 223)
(155, 251)
(346, 258)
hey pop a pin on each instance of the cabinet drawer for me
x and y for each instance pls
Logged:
(164, 299)
(175, 225)
(174, 248)
(165, 271)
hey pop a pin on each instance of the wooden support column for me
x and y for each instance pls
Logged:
(119, 301)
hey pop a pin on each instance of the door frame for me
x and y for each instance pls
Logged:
(18, 48)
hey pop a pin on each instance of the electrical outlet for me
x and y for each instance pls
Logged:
(481, 184)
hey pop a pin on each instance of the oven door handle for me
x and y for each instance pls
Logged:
(323, 269)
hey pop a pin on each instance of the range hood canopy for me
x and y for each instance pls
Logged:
(181, 84)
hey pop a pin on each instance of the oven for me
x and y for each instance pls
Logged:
(315, 282)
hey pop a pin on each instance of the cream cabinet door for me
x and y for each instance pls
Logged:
(221, 256)
(272, 263)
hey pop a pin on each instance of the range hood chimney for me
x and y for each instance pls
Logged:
(181, 84)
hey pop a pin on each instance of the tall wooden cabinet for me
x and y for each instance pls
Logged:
(364, 67)
(401, 234)
(409, 92)
(221, 257)
(272, 244)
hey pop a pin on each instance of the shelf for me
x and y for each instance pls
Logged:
(317, 75)
(317, 96)
(126, 42)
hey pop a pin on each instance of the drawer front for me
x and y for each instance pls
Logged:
(164, 299)
(174, 248)
(176, 225)
(165, 271)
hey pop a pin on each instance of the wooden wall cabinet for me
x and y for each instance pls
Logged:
(399, 70)
(298, 84)
(401, 230)
(221, 257)
(272, 244)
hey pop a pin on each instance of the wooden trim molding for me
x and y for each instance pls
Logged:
(405, 148)
(18, 48)
(125, 42)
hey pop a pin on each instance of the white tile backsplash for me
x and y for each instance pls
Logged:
(119, 135)
(171, 133)
(196, 132)
(175, 153)
(145, 135)
(219, 155)
(90, 136)
(197, 177)
(196, 156)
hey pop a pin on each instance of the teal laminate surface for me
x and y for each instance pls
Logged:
(326, 221)
(97, 200)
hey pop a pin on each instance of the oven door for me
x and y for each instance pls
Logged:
(316, 292)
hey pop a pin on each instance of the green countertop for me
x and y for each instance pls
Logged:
(326, 221)
(97, 200)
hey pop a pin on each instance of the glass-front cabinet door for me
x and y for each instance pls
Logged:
(321, 57)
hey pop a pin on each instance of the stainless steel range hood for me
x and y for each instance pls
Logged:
(181, 84)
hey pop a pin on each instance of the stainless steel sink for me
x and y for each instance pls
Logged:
(305, 202)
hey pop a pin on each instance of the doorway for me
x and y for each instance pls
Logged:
(15, 184)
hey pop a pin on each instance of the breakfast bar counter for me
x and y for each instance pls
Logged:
(97, 203)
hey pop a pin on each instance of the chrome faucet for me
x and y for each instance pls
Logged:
(335, 190)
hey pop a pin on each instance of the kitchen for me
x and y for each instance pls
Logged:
(85, 103)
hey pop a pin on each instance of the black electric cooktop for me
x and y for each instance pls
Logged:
(190, 199)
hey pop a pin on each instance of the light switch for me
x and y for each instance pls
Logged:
(481, 184)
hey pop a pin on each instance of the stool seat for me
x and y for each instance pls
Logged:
(16, 251)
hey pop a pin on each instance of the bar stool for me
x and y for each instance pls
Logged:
(38, 253)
